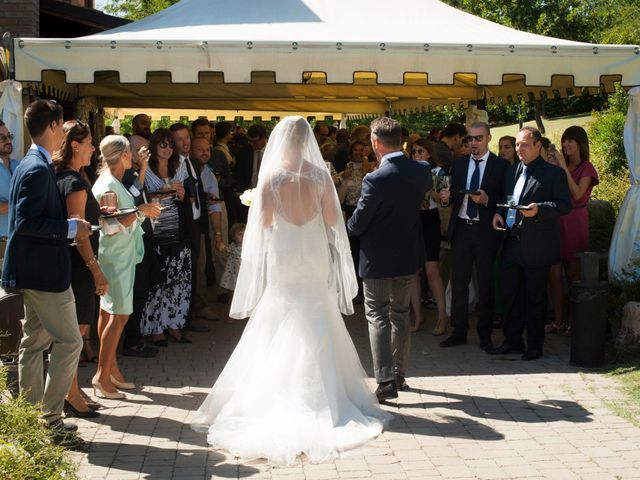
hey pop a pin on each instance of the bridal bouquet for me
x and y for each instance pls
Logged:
(247, 197)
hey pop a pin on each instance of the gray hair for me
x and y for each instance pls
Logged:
(112, 148)
(387, 131)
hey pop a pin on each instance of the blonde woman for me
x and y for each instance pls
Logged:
(121, 248)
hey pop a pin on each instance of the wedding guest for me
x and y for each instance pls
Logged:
(121, 248)
(167, 306)
(507, 148)
(232, 266)
(574, 227)
(7, 167)
(423, 151)
(201, 128)
(87, 278)
(464, 149)
(450, 141)
(248, 163)
(220, 164)
(37, 261)
(321, 132)
(141, 125)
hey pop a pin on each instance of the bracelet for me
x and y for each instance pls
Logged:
(92, 261)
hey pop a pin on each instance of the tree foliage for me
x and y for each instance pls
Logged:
(136, 9)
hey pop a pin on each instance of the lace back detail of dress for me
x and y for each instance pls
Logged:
(297, 195)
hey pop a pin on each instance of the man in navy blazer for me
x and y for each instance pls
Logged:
(37, 262)
(391, 250)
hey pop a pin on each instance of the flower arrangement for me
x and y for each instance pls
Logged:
(247, 197)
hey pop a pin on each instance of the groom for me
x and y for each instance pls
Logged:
(391, 250)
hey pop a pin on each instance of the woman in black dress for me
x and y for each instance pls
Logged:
(87, 278)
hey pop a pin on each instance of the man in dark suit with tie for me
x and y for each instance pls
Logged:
(473, 239)
(37, 262)
(391, 250)
(532, 244)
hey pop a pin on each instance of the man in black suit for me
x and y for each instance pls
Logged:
(391, 250)
(532, 243)
(473, 239)
(38, 263)
(248, 163)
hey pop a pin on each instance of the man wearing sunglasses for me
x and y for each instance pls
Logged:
(477, 185)
(7, 167)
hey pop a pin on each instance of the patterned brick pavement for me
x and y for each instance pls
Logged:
(468, 415)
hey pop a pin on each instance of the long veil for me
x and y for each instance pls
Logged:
(294, 183)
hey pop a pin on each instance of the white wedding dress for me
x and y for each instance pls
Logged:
(294, 384)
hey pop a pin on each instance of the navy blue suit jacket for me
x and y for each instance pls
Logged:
(37, 255)
(387, 218)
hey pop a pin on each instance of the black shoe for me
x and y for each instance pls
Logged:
(141, 350)
(181, 339)
(505, 349)
(161, 343)
(453, 341)
(71, 411)
(194, 327)
(401, 384)
(223, 298)
(486, 345)
(386, 390)
(531, 355)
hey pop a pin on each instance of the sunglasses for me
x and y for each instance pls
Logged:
(4, 138)
(477, 138)
(166, 145)
(418, 151)
(80, 123)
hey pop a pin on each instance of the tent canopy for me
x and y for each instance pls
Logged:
(359, 56)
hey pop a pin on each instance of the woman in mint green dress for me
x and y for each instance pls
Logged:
(121, 248)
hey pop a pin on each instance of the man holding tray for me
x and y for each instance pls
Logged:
(477, 184)
(540, 192)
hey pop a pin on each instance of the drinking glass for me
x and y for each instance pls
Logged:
(109, 201)
(74, 243)
(511, 201)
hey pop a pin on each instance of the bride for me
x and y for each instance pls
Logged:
(294, 384)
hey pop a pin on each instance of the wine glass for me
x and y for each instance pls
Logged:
(445, 183)
(157, 201)
(109, 202)
(77, 217)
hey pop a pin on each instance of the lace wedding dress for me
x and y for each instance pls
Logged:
(294, 384)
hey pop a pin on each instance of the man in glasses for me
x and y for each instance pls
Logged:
(7, 167)
(477, 185)
(38, 263)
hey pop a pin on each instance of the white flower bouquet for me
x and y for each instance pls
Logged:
(247, 196)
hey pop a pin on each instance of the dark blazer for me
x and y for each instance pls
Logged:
(540, 235)
(37, 255)
(243, 169)
(387, 218)
(492, 183)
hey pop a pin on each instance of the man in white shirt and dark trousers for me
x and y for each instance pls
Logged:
(477, 185)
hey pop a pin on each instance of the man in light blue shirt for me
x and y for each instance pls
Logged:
(7, 167)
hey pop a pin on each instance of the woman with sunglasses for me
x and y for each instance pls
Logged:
(422, 150)
(121, 248)
(167, 305)
(87, 278)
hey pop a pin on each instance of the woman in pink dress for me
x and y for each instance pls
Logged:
(574, 227)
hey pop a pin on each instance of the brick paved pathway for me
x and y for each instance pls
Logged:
(468, 415)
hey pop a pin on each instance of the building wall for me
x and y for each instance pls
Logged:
(21, 18)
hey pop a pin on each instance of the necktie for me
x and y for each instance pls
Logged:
(472, 207)
(517, 193)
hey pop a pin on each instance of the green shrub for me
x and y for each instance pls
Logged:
(601, 222)
(624, 288)
(26, 449)
(612, 188)
(607, 141)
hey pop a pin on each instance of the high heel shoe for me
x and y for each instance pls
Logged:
(122, 385)
(71, 411)
(441, 327)
(111, 395)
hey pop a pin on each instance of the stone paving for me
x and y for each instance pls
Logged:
(468, 415)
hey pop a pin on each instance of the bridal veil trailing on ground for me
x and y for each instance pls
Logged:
(294, 384)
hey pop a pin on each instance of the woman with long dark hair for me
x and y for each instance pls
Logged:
(574, 227)
(87, 278)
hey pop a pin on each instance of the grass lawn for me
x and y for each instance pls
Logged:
(554, 129)
(626, 370)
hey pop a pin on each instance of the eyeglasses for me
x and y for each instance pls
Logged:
(418, 151)
(4, 138)
(80, 123)
(166, 145)
(477, 138)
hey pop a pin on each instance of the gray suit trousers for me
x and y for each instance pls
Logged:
(50, 318)
(386, 302)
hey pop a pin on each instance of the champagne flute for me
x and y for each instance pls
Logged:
(157, 201)
(77, 217)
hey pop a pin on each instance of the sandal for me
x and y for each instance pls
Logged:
(554, 327)
(441, 327)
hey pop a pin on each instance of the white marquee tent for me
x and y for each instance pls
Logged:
(355, 56)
